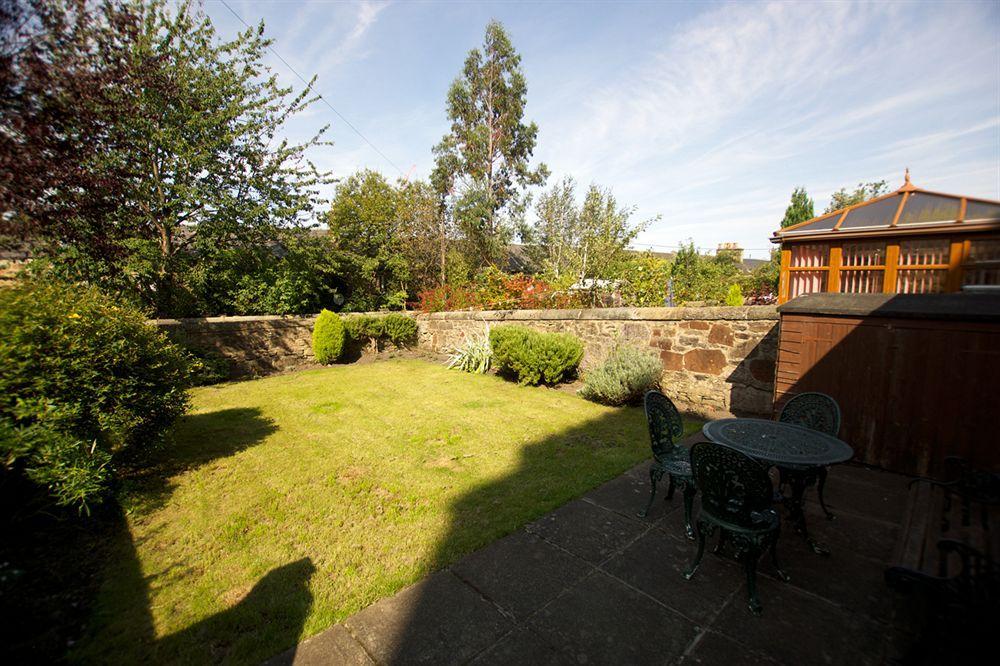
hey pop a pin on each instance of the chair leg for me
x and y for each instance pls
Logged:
(654, 477)
(721, 543)
(702, 529)
(820, 484)
(774, 560)
(689, 491)
(670, 487)
(750, 563)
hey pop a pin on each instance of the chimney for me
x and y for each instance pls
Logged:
(732, 249)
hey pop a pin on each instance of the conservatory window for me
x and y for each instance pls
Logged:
(923, 266)
(862, 269)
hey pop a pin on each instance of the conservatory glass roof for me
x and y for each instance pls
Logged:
(909, 209)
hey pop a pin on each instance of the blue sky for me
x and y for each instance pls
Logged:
(706, 114)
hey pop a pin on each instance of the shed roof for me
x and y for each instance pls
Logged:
(957, 306)
(908, 210)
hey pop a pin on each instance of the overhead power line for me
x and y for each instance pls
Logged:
(321, 96)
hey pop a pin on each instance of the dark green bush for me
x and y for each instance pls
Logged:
(623, 378)
(83, 381)
(363, 328)
(397, 328)
(400, 329)
(328, 337)
(532, 357)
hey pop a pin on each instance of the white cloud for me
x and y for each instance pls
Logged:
(746, 101)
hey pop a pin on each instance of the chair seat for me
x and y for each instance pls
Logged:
(677, 462)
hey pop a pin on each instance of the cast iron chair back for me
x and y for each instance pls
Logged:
(816, 411)
(734, 488)
(665, 424)
(736, 500)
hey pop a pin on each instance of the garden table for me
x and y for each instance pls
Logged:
(778, 443)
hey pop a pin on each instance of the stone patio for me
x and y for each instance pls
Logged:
(591, 583)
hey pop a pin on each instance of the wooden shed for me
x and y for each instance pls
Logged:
(911, 241)
(916, 376)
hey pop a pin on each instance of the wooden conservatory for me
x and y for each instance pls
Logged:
(911, 241)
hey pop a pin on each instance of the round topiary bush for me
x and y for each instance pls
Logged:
(84, 380)
(328, 337)
(623, 378)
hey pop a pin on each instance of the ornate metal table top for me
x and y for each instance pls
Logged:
(778, 442)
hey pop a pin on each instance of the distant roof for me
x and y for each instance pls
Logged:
(909, 209)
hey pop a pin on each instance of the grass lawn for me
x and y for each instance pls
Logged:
(288, 503)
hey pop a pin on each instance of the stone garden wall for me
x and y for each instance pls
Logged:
(715, 360)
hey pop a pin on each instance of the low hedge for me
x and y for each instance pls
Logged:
(532, 357)
(397, 328)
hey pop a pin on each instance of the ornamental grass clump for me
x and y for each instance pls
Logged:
(328, 337)
(623, 378)
(474, 355)
(534, 358)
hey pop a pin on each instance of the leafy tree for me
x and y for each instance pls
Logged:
(553, 242)
(588, 241)
(366, 226)
(605, 234)
(843, 198)
(482, 166)
(799, 210)
(643, 281)
(425, 240)
(700, 278)
(168, 155)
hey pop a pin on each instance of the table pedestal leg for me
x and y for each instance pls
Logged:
(799, 482)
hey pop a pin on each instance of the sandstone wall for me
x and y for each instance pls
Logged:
(715, 360)
(252, 345)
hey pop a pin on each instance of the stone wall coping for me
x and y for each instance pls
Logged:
(718, 313)
(290, 320)
(743, 313)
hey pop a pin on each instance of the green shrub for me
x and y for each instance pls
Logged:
(532, 357)
(623, 378)
(363, 328)
(83, 382)
(474, 355)
(397, 328)
(734, 296)
(400, 329)
(328, 337)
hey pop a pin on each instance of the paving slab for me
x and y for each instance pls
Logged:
(440, 620)
(844, 577)
(876, 495)
(523, 647)
(800, 628)
(587, 530)
(871, 538)
(628, 495)
(521, 572)
(333, 647)
(590, 583)
(601, 621)
(654, 564)
(714, 649)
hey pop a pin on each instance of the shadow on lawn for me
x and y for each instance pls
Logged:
(56, 582)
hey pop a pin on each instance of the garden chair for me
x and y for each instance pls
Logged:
(817, 411)
(736, 496)
(670, 458)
